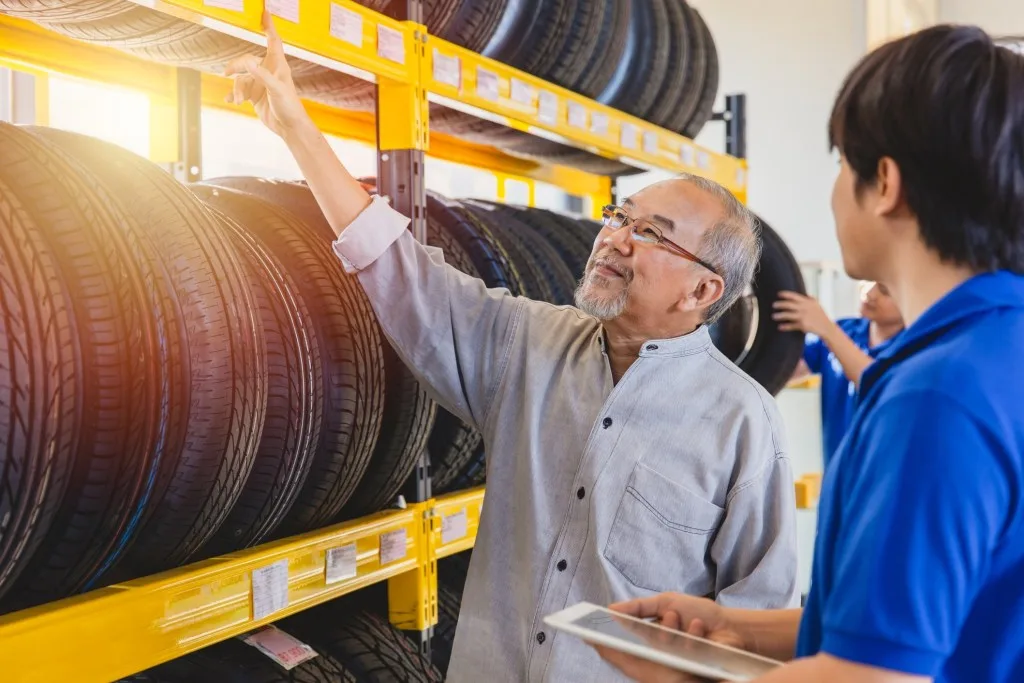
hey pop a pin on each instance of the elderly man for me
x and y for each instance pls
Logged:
(626, 454)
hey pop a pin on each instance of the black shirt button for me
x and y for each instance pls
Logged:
(581, 492)
(562, 565)
(607, 422)
(541, 637)
(652, 347)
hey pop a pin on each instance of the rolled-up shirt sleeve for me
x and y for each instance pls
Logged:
(755, 550)
(452, 331)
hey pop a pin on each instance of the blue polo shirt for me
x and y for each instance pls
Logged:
(919, 560)
(838, 394)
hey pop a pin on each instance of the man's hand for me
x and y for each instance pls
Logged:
(268, 84)
(697, 616)
(798, 313)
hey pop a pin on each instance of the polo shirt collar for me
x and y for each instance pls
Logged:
(980, 294)
(694, 342)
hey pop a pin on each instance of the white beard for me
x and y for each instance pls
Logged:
(601, 307)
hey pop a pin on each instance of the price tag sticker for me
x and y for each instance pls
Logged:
(281, 647)
(454, 527)
(741, 177)
(342, 563)
(286, 9)
(346, 25)
(651, 142)
(547, 107)
(628, 135)
(447, 69)
(390, 44)
(687, 154)
(269, 589)
(233, 5)
(599, 123)
(487, 84)
(704, 160)
(577, 116)
(522, 93)
(393, 546)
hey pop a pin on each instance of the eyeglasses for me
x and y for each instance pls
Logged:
(614, 218)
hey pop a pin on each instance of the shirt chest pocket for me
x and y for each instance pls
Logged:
(660, 535)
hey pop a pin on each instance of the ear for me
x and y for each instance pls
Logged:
(707, 291)
(890, 187)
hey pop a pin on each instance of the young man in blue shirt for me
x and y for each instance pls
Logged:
(919, 561)
(839, 351)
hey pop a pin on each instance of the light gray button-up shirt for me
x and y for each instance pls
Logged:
(674, 479)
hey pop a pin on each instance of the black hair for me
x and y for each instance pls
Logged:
(947, 105)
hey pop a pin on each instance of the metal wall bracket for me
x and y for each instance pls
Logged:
(735, 118)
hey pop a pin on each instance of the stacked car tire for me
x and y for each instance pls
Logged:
(655, 59)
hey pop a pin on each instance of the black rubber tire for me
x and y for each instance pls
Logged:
(350, 350)
(469, 23)
(709, 87)
(565, 238)
(363, 640)
(64, 11)
(671, 92)
(535, 285)
(542, 32)
(40, 363)
(473, 471)
(644, 88)
(234, 661)
(337, 90)
(449, 602)
(696, 71)
(609, 49)
(774, 355)
(540, 149)
(124, 388)
(469, 127)
(295, 397)
(408, 412)
(579, 46)
(223, 358)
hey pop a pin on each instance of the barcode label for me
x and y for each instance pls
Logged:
(599, 123)
(454, 527)
(487, 84)
(704, 160)
(346, 25)
(233, 5)
(393, 546)
(269, 589)
(687, 155)
(286, 9)
(547, 107)
(342, 563)
(447, 69)
(521, 92)
(390, 44)
(628, 135)
(577, 116)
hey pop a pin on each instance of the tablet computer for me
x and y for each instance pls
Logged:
(648, 640)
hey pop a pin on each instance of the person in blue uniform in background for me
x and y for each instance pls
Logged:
(839, 351)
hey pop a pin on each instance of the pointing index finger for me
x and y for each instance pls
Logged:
(274, 44)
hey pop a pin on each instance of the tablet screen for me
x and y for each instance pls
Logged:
(728, 662)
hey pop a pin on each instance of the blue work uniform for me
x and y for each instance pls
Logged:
(919, 559)
(838, 394)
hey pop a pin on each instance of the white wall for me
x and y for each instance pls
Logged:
(998, 17)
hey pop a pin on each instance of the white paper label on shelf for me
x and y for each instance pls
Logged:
(390, 44)
(741, 177)
(342, 563)
(393, 546)
(283, 648)
(599, 123)
(577, 116)
(547, 107)
(269, 589)
(651, 142)
(687, 154)
(520, 92)
(447, 69)
(704, 160)
(286, 9)
(233, 5)
(487, 84)
(628, 135)
(346, 25)
(454, 527)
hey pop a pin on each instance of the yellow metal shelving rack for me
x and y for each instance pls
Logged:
(125, 628)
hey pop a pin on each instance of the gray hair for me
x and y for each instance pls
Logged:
(732, 245)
